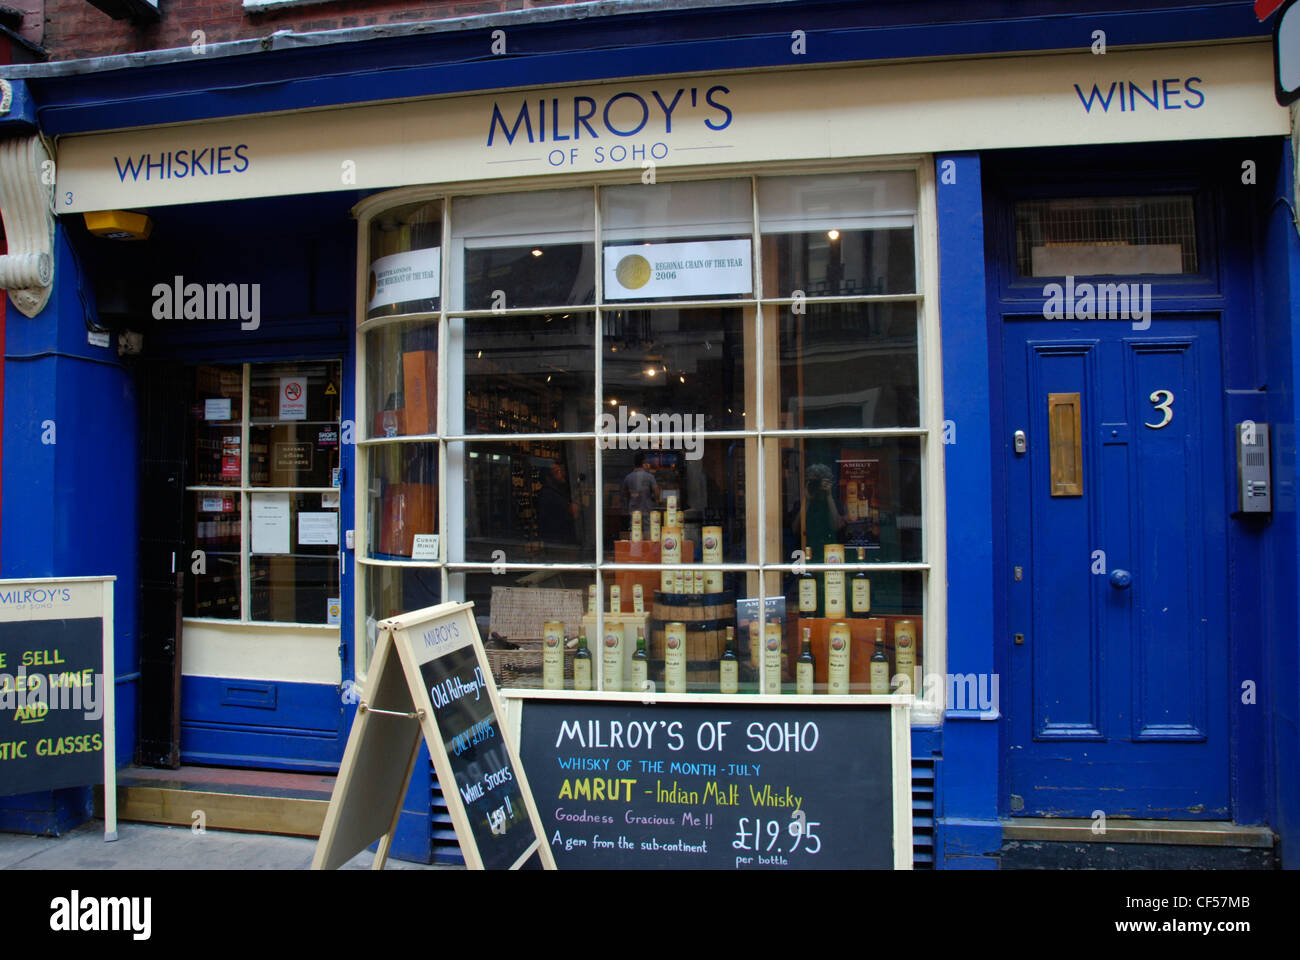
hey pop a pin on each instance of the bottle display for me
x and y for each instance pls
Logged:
(712, 546)
(879, 664)
(834, 581)
(636, 526)
(861, 589)
(582, 665)
(670, 552)
(670, 513)
(615, 599)
(612, 656)
(638, 599)
(807, 591)
(772, 657)
(838, 654)
(905, 655)
(640, 665)
(675, 658)
(729, 665)
(655, 525)
(553, 655)
(805, 667)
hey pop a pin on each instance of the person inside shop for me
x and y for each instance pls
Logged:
(825, 517)
(556, 510)
(641, 492)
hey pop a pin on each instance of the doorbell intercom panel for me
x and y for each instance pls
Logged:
(1254, 482)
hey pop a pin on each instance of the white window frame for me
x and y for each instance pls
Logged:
(927, 702)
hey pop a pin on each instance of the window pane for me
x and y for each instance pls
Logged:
(850, 607)
(390, 591)
(402, 379)
(842, 235)
(528, 374)
(405, 260)
(678, 241)
(294, 574)
(848, 365)
(1096, 236)
(853, 492)
(705, 476)
(294, 424)
(216, 414)
(524, 249)
(513, 611)
(680, 363)
(531, 500)
(403, 501)
(214, 592)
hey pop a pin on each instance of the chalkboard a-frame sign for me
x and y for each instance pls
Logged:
(430, 678)
(57, 711)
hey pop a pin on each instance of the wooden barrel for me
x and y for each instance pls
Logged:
(705, 640)
(692, 607)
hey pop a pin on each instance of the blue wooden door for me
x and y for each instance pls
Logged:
(1118, 575)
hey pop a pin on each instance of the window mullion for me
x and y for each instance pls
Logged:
(246, 543)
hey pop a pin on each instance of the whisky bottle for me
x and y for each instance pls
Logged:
(838, 658)
(861, 589)
(675, 658)
(612, 656)
(834, 581)
(582, 665)
(805, 666)
(553, 655)
(729, 665)
(879, 664)
(807, 590)
(640, 664)
(772, 657)
(904, 655)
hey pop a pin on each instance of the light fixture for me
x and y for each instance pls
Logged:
(650, 371)
(613, 402)
(548, 378)
(682, 378)
(480, 355)
(537, 253)
(833, 234)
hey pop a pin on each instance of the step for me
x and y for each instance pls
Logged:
(1203, 833)
(256, 801)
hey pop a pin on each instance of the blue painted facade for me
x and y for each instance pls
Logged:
(69, 508)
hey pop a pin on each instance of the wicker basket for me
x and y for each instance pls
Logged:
(517, 615)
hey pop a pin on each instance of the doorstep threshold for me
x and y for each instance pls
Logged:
(1205, 833)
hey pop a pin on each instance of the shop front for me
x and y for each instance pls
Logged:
(776, 388)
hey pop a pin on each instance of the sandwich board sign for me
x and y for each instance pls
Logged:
(430, 678)
(56, 687)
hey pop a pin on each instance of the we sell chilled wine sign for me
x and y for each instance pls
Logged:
(697, 786)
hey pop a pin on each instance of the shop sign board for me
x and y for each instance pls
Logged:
(430, 679)
(757, 783)
(56, 688)
(885, 109)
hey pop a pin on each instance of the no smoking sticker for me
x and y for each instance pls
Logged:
(293, 398)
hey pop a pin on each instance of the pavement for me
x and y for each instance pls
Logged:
(149, 846)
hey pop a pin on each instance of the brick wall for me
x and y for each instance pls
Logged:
(74, 29)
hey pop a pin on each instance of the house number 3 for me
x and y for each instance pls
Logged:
(1164, 401)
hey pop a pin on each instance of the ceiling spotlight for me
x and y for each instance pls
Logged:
(682, 378)
(650, 371)
(537, 253)
(613, 402)
(832, 234)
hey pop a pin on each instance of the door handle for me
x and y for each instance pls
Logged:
(1121, 579)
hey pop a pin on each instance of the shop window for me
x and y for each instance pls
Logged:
(645, 399)
(1105, 236)
(264, 480)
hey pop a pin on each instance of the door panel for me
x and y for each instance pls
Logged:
(1118, 689)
